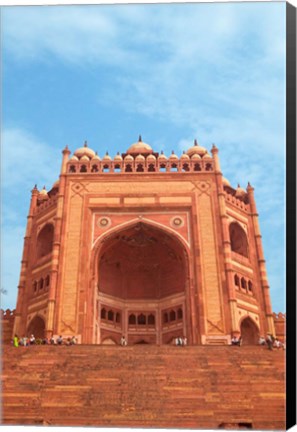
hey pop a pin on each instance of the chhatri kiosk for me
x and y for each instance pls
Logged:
(147, 246)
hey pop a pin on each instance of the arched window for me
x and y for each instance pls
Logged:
(110, 315)
(172, 315)
(72, 169)
(47, 281)
(45, 241)
(83, 168)
(128, 168)
(208, 167)
(41, 283)
(243, 283)
(118, 317)
(162, 168)
(151, 319)
(103, 313)
(105, 168)
(186, 167)
(250, 286)
(35, 286)
(139, 168)
(179, 314)
(117, 168)
(141, 319)
(238, 238)
(151, 168)
(236, 280)
(95, 168)
(197, 167)
(165, 317)
(173, 167)
(132, 319)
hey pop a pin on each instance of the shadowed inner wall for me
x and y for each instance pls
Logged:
(142, 270)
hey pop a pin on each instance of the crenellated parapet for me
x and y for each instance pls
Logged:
(280, 325)
(7, 322)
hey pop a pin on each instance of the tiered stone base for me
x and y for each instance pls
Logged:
(142, 386)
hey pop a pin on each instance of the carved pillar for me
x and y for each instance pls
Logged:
(56, 247)
(226, 242)
(261, 260)
(19, 324)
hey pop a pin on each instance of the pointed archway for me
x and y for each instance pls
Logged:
(249, 332)
(36, 327)
(142, 273)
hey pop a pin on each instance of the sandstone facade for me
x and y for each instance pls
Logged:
(144, 246)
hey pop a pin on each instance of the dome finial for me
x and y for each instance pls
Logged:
(139, 139)
(86, 143)
(195, 142)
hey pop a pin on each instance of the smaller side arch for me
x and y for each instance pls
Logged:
(36, 327)
(45, 240)
(249, 330)
(238, 239)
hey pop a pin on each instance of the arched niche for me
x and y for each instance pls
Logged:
(238, 239)
(36, 327)
(45, 240)
(249, 331)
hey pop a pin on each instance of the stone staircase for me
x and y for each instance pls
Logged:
(144, 386)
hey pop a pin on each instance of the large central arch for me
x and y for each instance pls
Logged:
(142, 272)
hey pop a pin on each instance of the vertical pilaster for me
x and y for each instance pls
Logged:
(56, 246)
(226, 241)
(19, 324)
(261, 260)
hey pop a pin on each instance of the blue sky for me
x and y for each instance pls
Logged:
(172, 72)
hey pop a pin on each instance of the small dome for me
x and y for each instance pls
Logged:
(84, 151)
(106, 157)
(73, 159)
(206, 156)
(43, 194)
(151, 158)
(84, 158)
(96, 157)
(162, 157)
(140, 158)
(196, 156)
(173, 156)
(128, 158)
(118, 157)
(140, 148)
(239, 191)
(196, 149)
(184, 156)
(226, 182)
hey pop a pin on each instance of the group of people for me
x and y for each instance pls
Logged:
(236, 340)
(181, 341)
(26, 341)
(271, 342)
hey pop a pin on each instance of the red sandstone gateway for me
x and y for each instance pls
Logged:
(146, 247)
